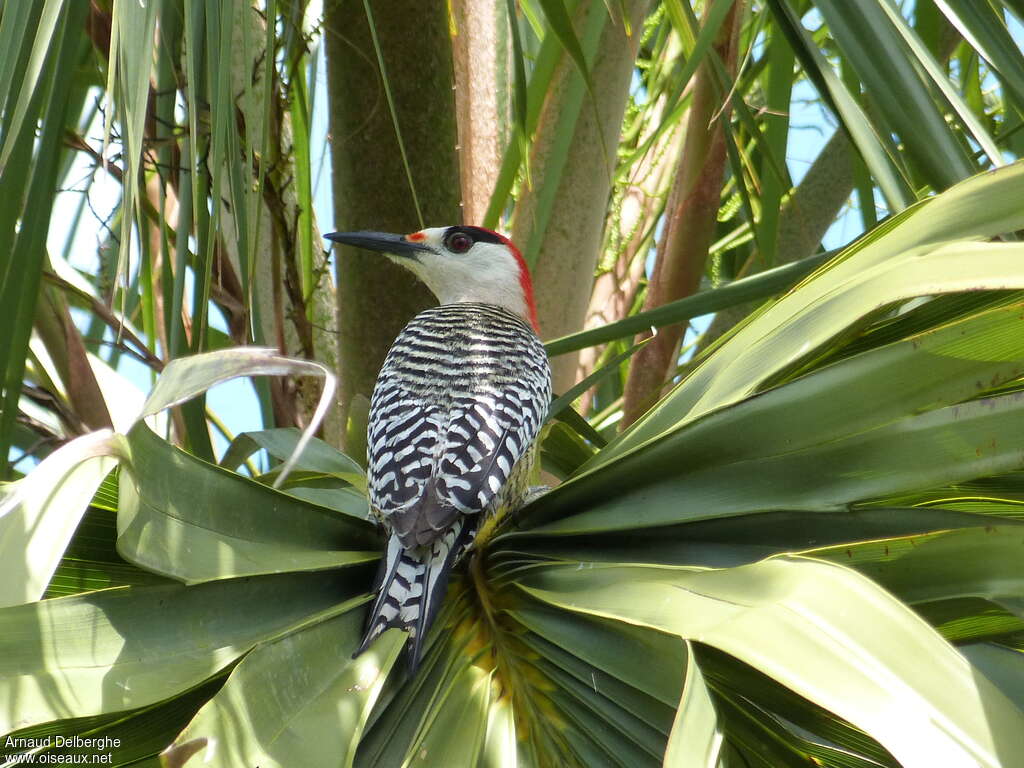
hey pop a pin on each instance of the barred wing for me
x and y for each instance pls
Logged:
(459, 401)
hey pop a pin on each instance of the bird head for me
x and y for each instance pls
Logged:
(458, 264)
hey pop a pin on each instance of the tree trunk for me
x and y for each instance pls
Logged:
(615, 289)
(371, 188)
(691, 216)
(482, 63)
(563, 238)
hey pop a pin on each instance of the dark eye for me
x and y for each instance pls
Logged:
(458, 242)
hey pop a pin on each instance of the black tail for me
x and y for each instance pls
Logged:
(411, 585)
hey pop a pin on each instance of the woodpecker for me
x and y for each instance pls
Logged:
(454, 414)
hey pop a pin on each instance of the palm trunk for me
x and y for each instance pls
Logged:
(691, 216)
(563, 237)
(371, 187)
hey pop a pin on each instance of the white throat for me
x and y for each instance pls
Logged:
(488, 274)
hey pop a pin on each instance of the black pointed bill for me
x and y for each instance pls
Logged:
(396, 245)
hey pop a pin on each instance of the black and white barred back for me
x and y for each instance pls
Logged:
(457, 406)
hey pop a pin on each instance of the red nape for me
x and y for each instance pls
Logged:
(524, 278)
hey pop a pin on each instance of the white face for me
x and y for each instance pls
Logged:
(459, 268)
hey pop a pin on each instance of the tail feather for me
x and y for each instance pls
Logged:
(411, 585)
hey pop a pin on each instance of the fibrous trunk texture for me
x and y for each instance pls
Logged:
(568, 230)
(481, 58)
(371, 187)
(690, 219)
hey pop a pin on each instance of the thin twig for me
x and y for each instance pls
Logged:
(104, 312)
